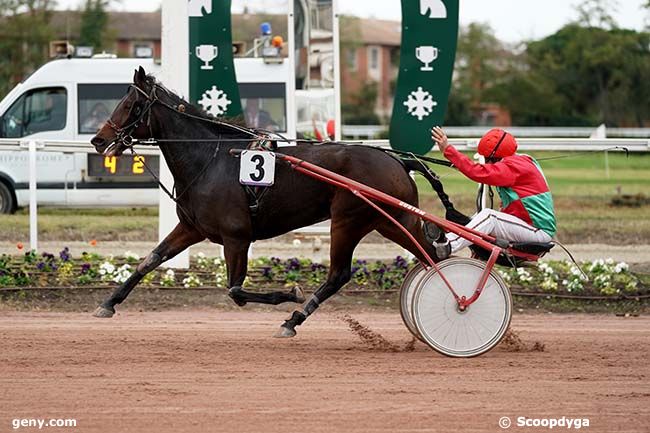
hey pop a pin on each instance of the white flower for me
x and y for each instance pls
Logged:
(296, 242)
(546, 269)
(602, 281)
(191, 281)
(577, 274)
(621, 267)
(168, 278)
(549, 284)
(106, 269)
(506, 276)
(523, 275)
(122, 274)
(573, 285)
(202, 261)
(129, 255)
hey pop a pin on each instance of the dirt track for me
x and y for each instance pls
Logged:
(212, 371)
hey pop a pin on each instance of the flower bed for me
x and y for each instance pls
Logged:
(604, 278)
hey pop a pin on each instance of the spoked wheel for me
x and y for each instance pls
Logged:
(457, 333)
(407, 290)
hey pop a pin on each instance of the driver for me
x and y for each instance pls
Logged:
(526, 214)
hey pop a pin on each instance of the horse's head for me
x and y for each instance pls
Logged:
(130, 119)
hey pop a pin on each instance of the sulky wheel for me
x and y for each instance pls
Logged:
(407, 290)
(443, 326)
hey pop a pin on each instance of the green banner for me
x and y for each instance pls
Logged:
(428, 52)
(213, 84)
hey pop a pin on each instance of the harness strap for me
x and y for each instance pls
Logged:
(175, 197)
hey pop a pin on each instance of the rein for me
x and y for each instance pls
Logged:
(125, 138)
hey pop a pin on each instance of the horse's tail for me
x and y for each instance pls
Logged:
(451, 213)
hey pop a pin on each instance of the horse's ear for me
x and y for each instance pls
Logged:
(140, 77)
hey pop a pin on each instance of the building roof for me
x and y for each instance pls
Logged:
(123, 25)
(381, 32)
(146, 26)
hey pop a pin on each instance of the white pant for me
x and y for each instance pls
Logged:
(500, 225)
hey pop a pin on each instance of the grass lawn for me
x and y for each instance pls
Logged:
(581, 190)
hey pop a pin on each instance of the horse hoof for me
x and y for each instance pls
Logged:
(285, 332)
(235, 295)
(298, 294)
(103, 313)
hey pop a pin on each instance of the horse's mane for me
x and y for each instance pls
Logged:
(236, 122)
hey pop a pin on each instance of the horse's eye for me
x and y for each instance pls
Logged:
(136, 110)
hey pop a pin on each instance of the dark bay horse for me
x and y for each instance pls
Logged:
(211, 203)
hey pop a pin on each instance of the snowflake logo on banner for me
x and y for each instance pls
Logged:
(215, 101)
(420, 103)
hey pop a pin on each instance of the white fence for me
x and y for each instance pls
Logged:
(536, 144)
(372, 131)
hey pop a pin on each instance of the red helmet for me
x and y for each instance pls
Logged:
(497, 143)
(330, 128)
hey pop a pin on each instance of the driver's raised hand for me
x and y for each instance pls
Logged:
(440, 138)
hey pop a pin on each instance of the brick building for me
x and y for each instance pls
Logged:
(369, 47)
(370, 53)
(127, 31)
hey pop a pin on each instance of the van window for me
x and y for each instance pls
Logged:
(36, 111)
(264, 105)
(96, 103)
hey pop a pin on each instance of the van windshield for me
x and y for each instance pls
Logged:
(39, 110)
(96, 103)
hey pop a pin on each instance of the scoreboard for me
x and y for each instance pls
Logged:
(123, 166)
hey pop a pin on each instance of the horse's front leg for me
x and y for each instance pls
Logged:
(236, 254)
(177, 241)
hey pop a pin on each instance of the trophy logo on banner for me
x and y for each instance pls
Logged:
(207, 53)
(424, 82)
(427, 55)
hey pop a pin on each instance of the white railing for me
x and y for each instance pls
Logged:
(64, 146)
(546, 144)
(34, 146)
(527, 144)
(372, 131)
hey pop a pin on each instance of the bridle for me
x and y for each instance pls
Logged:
(124, 134)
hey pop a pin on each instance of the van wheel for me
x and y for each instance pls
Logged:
(7, 203)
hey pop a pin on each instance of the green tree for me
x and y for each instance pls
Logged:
(480, 60)
(582, 76)
(597, 13)
(359, 107)
(94, 20)
(24, 38)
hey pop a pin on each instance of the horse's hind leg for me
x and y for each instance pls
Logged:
(390, 231)
(236, 252)
(177, 241)
(345, 238)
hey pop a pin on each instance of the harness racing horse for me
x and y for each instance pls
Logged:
(212, 204)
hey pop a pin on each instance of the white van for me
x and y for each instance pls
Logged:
(67, 99)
